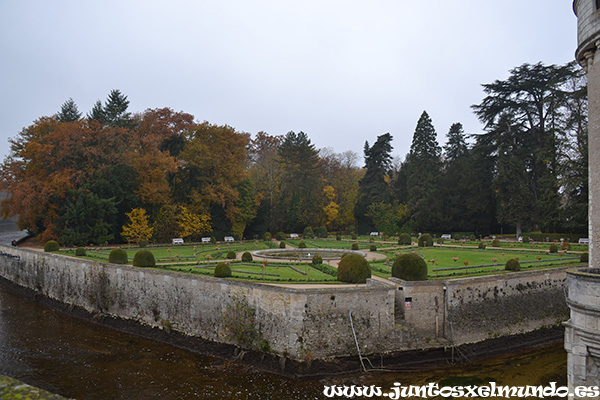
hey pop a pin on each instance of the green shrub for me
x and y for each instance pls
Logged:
(51, 245)
(282, 245)
(404, 239)
(354, 246)
(481, 245)
(118, 256)
(439, 241)
(280, 236)
(512, 265)
(354, 236)
(410, 267)
(267, 237)
(566, 246)
(317, 259)
(338, 238)
(353, 268)
(425, 240)
(143, 243)
(495, 243)
(584, 257)
(525, 239)
(80, 252)
(222, 270)
(247, 257)
(553, 248)
(308, 233)
(373, 247)
(322, 232)
(213, 239)
(144, 258)
(231, 255)
(301, 245)
(472, 237)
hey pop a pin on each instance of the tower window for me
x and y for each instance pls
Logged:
(597, 5)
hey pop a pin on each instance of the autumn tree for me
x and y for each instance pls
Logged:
(192, 224)
(138, 230)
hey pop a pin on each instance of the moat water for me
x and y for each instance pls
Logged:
(82, 360)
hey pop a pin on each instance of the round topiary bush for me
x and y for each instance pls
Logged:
(481, 246)
(373, 247)
(118, 256)
(222, 270)
(472, 237)
(308, 233)
(51, 245)
(247, 257)
(584, 257)
(425, 240)
(267, 237)
(404, 239)
(353, 268)
(553, 248)
(512, 265)
(495, 243)
(301, 245)
(280, 236)
(231, 255)
(354, 246)
(354, 236)
(144, 258)
(317, 259)
(439, 241)
(282, 245)
(410, 267)
(80, 252)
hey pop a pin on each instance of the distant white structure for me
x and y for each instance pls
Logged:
(293, 236)
(177, 241)
(229, 239)
(205, 240)
(374, 233)
(447, 236)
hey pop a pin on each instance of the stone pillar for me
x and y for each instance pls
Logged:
(582, 331)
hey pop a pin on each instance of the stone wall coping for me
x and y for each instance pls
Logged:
(587, 273)
(297, 289)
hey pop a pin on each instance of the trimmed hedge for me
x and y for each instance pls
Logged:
(301, 245)
(404, 239)
(322, 232)
(80, 252)
(51, 245)
(353, 268)
(354, 246)
(308, 233)
(317, 259)
(267, 237)
(118, 256)
(512, 265)
(282, 245)
(231, 255)
(144, 258)
(280, 236)
(495, 243)
(373, 247)
(584, 257)
(410, 267)
(425, 240)
(222, 270)
(481, 246)
(247, 257)
(553, 248)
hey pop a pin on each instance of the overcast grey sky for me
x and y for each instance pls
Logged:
(342, 71)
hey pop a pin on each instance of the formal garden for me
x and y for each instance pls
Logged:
(316, 260)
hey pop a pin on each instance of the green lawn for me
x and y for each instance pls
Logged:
(451, 262)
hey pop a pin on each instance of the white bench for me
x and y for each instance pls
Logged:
(584, 241)
(229, 239)
(205, 240)
(177, 241)
(374, 233)
(293, 236)
(446, 236)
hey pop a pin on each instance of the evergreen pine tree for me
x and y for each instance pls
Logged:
(68, 112)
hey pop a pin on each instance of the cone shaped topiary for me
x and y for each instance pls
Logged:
(144, 258)
(353, 268)
(410, 267)
(118, 256)
(222, 270)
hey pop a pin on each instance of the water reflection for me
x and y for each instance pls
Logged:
(83, 360)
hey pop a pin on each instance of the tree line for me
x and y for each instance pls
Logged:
(79, 179)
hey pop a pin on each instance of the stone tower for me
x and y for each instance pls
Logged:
(582, 333)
